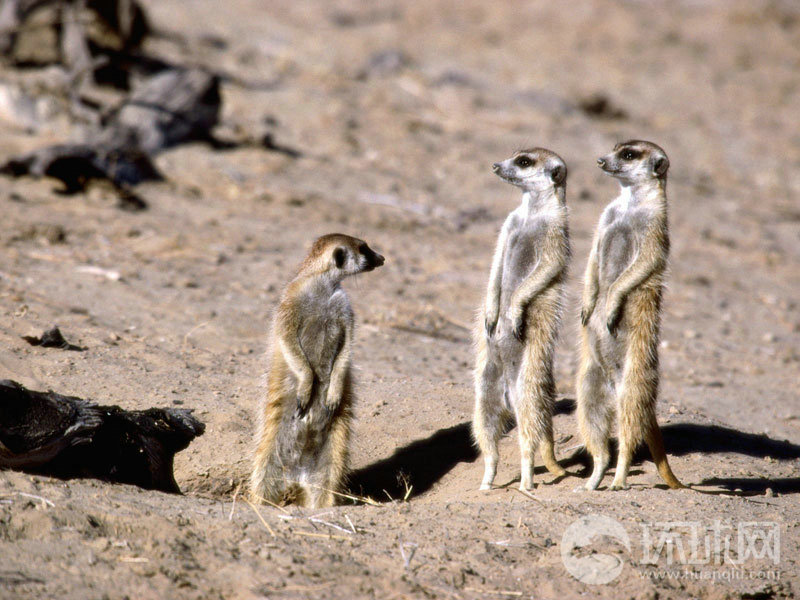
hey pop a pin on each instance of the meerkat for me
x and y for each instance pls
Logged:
(518, 325)
(305, 418)
(621, 314)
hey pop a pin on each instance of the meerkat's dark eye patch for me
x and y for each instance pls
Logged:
(339, 256)
(523, 162)
(628, 154)
(362, 249)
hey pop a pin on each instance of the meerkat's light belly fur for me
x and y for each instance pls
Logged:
(302, 443)
(619, 247)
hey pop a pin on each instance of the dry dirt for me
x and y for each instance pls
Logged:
(399, 109)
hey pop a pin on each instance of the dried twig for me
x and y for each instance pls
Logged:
(412, 547)
(495, 592)
(258, 514)
(272, 504)
(409, 489)
(133, 559)
(364, 499)
(353, 527)
(95, 270)
(321, 522)
(45, 502)
(321, 535)
(528, 495)
(233, 504)
(190, 332)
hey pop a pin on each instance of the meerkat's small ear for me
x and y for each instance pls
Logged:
(339, 256)
(660, 166)
(558, 174)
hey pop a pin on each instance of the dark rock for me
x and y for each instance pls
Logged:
(52, 338)
(383, 63)
(599, 106)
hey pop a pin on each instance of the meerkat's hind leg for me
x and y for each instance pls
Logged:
(339, 448)
(546, 444)
(489, 419)
(534, 419)
(635, 412)
(266, 479)
(547, 450)
(593, 418)
(655, 442)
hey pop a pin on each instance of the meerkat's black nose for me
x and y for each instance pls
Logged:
(496, 167)
(601, 162)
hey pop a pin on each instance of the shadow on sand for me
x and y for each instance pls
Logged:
(414, 469)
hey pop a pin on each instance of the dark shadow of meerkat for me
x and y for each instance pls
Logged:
(305, 417)
(518, 326)
(621, 315)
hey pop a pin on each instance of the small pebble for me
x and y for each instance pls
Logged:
(769, 493)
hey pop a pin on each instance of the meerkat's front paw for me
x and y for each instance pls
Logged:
(612, 323)
(519, 329)
(586, 314)
(490, 324)
(619, 487)
(303, 406)
(329, 408)
(485, 487)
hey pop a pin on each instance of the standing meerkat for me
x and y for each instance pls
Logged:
(305, 418)
(516, 335)
(621, 314)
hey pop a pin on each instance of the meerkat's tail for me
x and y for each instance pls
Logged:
(656, 444)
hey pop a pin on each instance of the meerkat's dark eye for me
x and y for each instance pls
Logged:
(339, 256)
(523, 162)
(362, 249)
(629, 154)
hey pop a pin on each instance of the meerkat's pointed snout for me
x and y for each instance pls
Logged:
(496, 167)
(373, 260)
(601, 162)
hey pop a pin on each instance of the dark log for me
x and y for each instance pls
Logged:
(171, 108)
(33, 32)
(66, 437)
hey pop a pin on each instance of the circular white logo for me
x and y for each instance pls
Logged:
(592, 568)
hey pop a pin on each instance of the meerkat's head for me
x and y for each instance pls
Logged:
(635, 161)
(532, 170)
(340, 255)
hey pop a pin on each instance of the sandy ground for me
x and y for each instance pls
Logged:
(399, 109)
